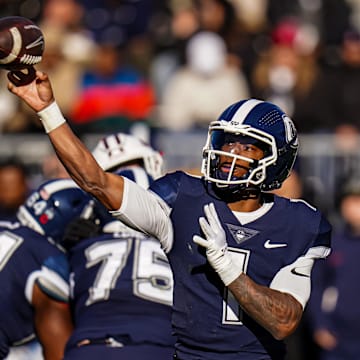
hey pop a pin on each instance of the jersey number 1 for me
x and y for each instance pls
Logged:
(232, 312)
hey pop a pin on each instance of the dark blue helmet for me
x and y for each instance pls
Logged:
(52, 206)
(263, 124)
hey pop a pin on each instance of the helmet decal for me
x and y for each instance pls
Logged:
(290, 131)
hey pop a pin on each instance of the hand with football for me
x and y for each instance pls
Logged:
(21, 47)
(38, 95)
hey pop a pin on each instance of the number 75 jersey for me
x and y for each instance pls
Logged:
(122, 285)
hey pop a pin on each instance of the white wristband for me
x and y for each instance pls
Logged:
(225, 265)
(229, 271)
(51, 117)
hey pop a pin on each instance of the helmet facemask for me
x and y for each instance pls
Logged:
(226, 183)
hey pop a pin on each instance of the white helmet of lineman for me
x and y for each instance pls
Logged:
(116, 150)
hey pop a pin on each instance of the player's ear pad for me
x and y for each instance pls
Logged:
(22, 77)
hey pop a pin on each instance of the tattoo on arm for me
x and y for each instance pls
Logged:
(277, 312)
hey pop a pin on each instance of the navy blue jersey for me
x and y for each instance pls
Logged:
(25, 257)
(121, 287)
(207, 320)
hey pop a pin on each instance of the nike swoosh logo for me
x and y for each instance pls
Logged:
(293, 271)
(270, 245)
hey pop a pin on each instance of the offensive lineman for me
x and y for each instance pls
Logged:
(34, 272)
(122, 284)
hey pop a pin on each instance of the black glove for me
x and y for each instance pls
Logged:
(79, 229)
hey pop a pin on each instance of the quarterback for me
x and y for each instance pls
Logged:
(241, 257)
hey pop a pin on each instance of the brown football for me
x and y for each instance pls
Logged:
(21, 47)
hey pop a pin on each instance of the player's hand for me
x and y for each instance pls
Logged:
(216, 246)
(38, 94)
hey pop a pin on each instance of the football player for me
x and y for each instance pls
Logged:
(34, 272)
(122, 284)
(241, 257)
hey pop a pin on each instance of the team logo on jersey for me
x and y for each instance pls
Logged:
(240, 233)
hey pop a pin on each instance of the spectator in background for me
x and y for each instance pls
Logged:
(341, 86)
(222, 18)
(172, 26)
(14, 187)
(113, 95)
(68, 50)
(63, 67)
(286, 73)
(66, 17)
(333, 310)
(198, 91)
(189, 18)
(332, 105)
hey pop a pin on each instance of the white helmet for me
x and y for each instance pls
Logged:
(116, 150)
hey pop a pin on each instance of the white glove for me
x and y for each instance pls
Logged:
(216, 246)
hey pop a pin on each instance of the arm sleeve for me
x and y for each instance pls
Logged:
(295, 278)
(145, 211)
(52, 279)
(50, 283)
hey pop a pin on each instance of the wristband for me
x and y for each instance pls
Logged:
(51, 117)
(229, 275)
(224, 265)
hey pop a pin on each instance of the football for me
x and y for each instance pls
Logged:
(21, 47)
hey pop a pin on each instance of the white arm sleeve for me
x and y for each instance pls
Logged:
(50, 283)
(144, 211)
(295, 278)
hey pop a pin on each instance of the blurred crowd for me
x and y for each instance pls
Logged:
(175, 64)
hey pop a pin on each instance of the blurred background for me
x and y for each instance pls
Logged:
(163, 69)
